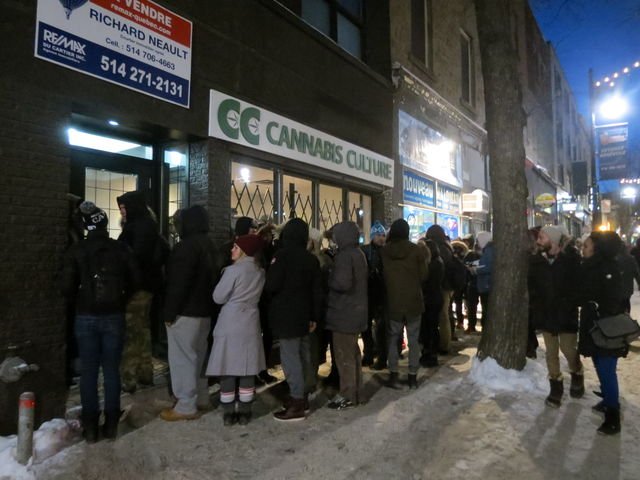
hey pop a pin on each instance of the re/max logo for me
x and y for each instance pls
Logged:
(64, 42)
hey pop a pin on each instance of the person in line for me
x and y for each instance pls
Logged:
(534, 250)
(432, 296)
(630, 272)
(140, 233)
(100, 274)
(601, 282)
(483, 272)
(472, 297)
(405, 270)
(437, 234)
(347, 312)
(237, 354)
(458, 281)
(374, 340)
(554, 279)
(192, 272)
(294, 287)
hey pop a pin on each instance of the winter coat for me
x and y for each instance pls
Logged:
(405, 268)
(347, 303)
(76, 276)
(294, 284)
(600, 282)
(140, 232)
(192, 269)
(436, 233)
(472, 278)
(630, 272)
(432, 286)
(237, 338)
(553, 290)
(375, 284)
(484, 269)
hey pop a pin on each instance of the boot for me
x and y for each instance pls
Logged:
(110, 427)
(599, 407)
(413, 380)
(294, 412)
(90, 427)
(393, 381)
(229, 416)
(379, 364)
(244, 413)
(555, 396)
(576, 390)
(287, 403)
(611, 425)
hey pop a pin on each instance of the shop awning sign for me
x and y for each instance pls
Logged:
(545, 200)
(246, 124)
(137, 44)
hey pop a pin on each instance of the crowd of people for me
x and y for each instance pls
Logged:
(311, 291)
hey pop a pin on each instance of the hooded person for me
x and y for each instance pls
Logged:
(484, 271)
(294, 287)
(553, 283)
(140, 232)
(347, 312)
(99, 274)
(237, 354)
(192, 272)
(405, 269)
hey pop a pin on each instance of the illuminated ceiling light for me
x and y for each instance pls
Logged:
(245, 174)
(636, 65)
(615, 75)
(113, 123)
(598, 84)
(612, 84)
(625, 70)
(606, 79)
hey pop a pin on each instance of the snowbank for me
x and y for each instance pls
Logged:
(492, 378)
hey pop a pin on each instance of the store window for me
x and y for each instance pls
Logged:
(177, 160)
(103, 187)
(252, 192)
(330, 206)
(297, 199)
(340, 20)
(360, 213)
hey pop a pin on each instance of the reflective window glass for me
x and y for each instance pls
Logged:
(297, 199)
(330, 206)
(252, 192)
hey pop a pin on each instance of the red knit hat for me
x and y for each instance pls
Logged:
(249, 244)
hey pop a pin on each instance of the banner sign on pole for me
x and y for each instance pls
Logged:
(134, 43)
(612, 151)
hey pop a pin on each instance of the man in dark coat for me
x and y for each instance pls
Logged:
(192, 272)
(140, 232)
(347, 312)
(405, 269)
(554, 280)
(437, 234)
(630, 272)
(375, 345)
(294, 285)
(99, 274)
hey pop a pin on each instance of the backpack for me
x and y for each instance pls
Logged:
(105, 279)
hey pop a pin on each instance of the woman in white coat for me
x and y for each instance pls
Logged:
(237, 354)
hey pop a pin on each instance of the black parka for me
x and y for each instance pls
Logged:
(193, 268)
(294, 284)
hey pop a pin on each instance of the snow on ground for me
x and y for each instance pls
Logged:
(467, 420)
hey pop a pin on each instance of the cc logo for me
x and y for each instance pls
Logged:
(235, 122)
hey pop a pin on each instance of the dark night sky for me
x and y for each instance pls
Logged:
(599, 34)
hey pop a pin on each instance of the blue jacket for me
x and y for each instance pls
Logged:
(484, 269)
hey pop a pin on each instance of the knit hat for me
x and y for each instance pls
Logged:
(93, 217)
(399, 230)
(249, 244)
(482, 238)
(243, 225)
(553, 233)
(377, 229)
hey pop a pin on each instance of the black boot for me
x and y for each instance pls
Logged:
(90, 427)
(110, 427)
(244, 413)
(413, 380)
(577, 385)
(393, 381)
(555, 396)
(599, 407)
(611, 425)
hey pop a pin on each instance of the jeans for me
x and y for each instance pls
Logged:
(295, 359)
(100, 342)
(606, 370)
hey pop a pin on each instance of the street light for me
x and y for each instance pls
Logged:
(614, 107)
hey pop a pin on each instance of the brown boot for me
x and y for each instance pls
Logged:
(293, 412)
